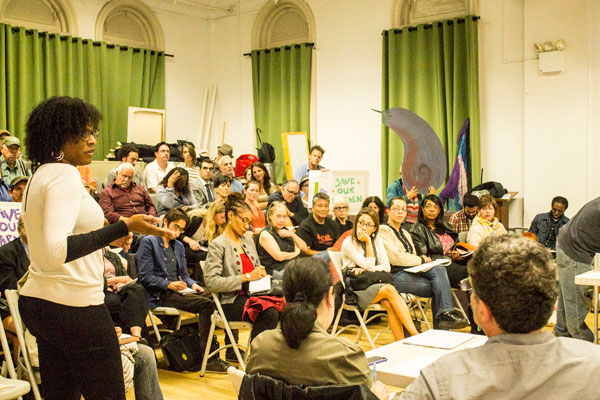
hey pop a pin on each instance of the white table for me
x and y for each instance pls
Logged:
(406, 360)
(591, 278)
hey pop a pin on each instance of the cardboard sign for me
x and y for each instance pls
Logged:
(9, 216)
(353, 185)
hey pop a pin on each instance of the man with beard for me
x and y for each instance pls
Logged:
(547, 225)
(461, 220)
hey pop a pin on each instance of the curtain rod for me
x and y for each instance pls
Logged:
(429, 26)
(29, 32)
(277, 49)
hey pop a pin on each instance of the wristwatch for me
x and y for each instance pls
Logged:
(248, 276)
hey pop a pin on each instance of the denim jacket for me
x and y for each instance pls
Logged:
(541, 227)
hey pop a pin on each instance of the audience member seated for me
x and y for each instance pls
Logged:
(3, 135)
(215, 221)
(14, 259)
(319, 232)
(126, 304)
(4, 192)
(433, 238)
(313, 164)
(163, 273)
(461, 220)
(261, 175)
(88, 180)
(289, 194)
(124, 198)
(17, 188)
(129, 153)
(485, 223)
(226, 169)
(222, 187)
(248, 174)
(232, 262)
(304, 190)
(364, 251)
(205, 194)
(174, 192)
(300, 351)
(157, 169)
(433, 283)
(11, 165)
(278, 245)
(251, 190)
(224, 150)
(412, 196)
(547, 225)
(188, 153)
(514, 292)
(340, 212)
(376, 204)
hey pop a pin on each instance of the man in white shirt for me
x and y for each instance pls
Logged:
(157, 169)
(514, 291)
(226, 168)
(205, 194)
(313, 164)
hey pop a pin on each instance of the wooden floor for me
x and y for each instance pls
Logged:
(190, 386)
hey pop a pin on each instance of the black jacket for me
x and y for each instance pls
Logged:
(426, 241)
(296, 206)
(259, 387)
(14, 263)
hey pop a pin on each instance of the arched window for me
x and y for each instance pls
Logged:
(414, 12)
(129, 23)
(44, 15)
(283, 22)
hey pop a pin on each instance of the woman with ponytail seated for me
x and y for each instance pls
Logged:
(364, 251)
(300, 351)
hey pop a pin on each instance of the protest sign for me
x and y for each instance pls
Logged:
(9, 216)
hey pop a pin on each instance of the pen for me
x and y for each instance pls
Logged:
(374, 372)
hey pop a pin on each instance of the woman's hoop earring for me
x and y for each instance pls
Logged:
(60, 156)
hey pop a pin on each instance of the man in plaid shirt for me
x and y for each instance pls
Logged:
(461, 220)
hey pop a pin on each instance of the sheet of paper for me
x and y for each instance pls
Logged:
(187, 290)
(439, 339)
(260, 285)
(413, 366)
(427, 266)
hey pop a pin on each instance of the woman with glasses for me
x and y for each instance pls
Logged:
(435, 239)
(364, 251)
(340, 212)
(62, 301)
(277, 245)
(376, 204)
(300, 351)
(433, 283)
(232, 262)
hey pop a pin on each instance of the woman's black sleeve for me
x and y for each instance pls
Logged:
(86, 243)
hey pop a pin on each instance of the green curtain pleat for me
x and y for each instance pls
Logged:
(281, 88)
(432, 70)
(35, 66)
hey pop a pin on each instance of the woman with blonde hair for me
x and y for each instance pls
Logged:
(485, 223)
(364, 251)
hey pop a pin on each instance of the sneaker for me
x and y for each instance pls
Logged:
(217, 366)
(230, 355)
(450, 320)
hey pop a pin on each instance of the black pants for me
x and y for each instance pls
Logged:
(127, 307)
(456, 273)
(194, 303)
(78, 350)
(266, 320)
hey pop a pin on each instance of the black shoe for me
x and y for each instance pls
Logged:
(143, 341)
(230, 355)
(217, 366)
(450, 320)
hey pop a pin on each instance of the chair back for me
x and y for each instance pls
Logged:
(132, 269)
(336, 260)
(236, 377)
(462, 236)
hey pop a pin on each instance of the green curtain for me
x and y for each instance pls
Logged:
(281, 87)
(36, 65)
(432, 70)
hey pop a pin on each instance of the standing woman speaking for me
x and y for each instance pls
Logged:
(62, 302)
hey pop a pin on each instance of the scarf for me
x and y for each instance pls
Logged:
(490, 228)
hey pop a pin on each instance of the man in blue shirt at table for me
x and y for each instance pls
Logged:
(514, 291)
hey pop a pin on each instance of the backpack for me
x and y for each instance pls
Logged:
(183, 349)
(495, 188)
(266, 152)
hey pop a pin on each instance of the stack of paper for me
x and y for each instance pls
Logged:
(427, 266)
(439, 339)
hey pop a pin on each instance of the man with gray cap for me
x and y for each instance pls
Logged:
(17, 188)
(10, 164)
(224, 150)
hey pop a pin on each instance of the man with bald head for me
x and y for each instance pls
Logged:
(226, 168)
(124, 198)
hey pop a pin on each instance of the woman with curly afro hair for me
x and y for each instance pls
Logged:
(62, 301)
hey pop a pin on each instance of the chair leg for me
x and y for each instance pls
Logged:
(337, 321)
(154, 326)
(364, 328)
(234, 345)
(423, 315)
(359, 332)
(460, 307)
(211, 332)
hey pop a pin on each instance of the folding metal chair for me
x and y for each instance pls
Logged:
(24, 361)
(218, 319)
(19, 387)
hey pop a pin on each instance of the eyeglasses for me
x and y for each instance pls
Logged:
(208, 168)
(91, 132)
(397, 209)
(246, 221)
(291, 192)
(177, 228)
(340, 208)
(367, 224)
